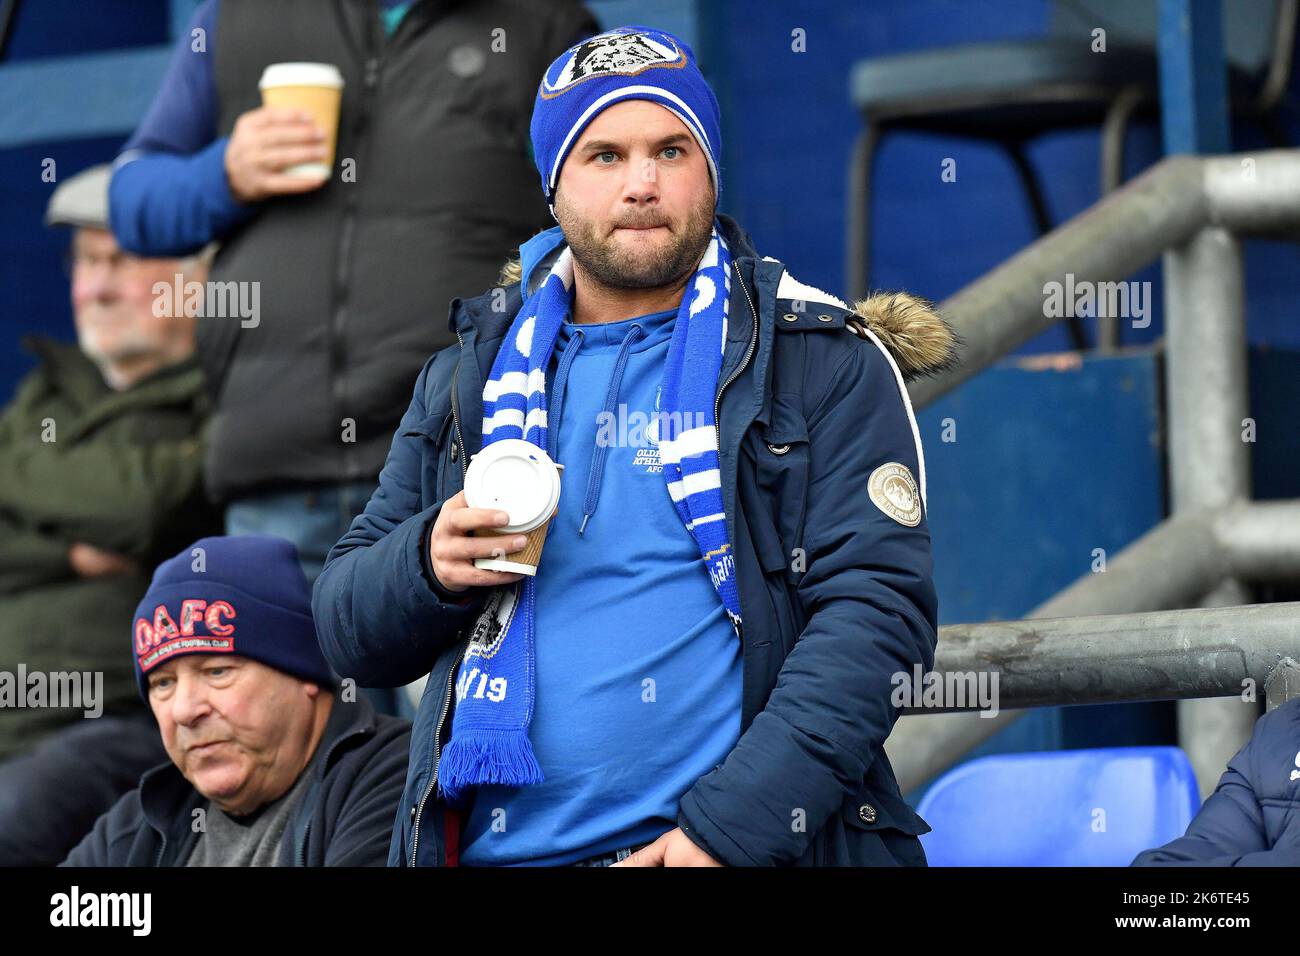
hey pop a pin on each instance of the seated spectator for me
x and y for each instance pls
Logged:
(270, 766)
(100, 478)
(1251, 819)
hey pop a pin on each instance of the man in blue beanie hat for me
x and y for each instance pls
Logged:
(280, 766)
(699, 670)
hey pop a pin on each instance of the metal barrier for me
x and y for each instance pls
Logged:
(1193, 211)
(1247, 652)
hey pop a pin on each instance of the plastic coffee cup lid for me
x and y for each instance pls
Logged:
(517, 477)
(301, 74)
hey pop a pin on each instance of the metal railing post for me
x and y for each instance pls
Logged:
(1209, 463)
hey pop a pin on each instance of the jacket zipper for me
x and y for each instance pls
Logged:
(437, 738)
(717, 402)
(455, 417)
(753, 344)
(343, 265)
(446, 703)
(300, 850)
(437, 758)
(437, 742)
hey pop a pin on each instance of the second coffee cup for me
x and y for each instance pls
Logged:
(316, 88)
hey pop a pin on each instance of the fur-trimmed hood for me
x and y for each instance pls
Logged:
(910, 327)
(918, 338)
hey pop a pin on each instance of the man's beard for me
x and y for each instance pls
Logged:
(616, 267)
(127, 347)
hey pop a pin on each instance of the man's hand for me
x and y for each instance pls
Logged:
(452, 548)
(674, 848)
(264, 143)
(91, 562)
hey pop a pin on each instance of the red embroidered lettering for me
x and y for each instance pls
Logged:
(144, 638)
(191, 608)
(163, 625)
(217, 610)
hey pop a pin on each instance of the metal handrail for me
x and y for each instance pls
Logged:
(1191, 210)
(1247, 194)
(1114, 658)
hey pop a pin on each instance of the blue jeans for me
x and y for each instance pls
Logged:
(313, 519)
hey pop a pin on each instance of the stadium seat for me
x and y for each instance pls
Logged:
(1065, 808)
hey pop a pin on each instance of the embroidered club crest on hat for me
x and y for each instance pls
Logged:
(619, 51)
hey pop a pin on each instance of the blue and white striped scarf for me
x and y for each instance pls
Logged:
(495, 689)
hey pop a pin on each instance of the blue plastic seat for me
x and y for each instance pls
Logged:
(1064, 808)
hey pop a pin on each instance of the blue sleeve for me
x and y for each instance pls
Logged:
(872, 612)
(381, 615)
(169, 194)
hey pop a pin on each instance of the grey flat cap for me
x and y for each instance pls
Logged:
(81, 200)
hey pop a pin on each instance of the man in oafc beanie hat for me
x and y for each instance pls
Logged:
(286, 767)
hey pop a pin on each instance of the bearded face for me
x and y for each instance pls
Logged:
(635, 198)
(662, 251)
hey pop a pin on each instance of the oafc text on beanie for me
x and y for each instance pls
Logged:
(629, 63)
(244, 595)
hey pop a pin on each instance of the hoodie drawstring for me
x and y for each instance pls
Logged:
(556, 399)
(598, 454)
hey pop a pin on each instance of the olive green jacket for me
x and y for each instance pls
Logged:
(80, 462)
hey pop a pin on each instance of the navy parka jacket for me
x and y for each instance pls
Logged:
(1253, 816)
(836, 595)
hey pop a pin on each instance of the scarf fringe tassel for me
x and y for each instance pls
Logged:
(476, 757)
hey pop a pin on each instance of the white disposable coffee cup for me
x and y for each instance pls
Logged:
(316, 88)
(517, 477)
